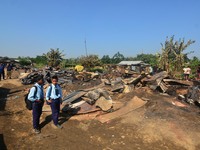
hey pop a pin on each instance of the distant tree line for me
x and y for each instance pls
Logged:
(172, 58)
(55, 58)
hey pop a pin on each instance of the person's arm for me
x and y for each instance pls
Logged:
(31, 94)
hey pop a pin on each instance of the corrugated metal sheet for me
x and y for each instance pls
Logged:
(131, 63)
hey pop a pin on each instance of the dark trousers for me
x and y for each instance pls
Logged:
(37, 111)
(2, 75)
(55, 108)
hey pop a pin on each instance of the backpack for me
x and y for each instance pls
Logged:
(27, 101)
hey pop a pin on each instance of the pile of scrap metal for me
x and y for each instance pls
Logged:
(98, 98)
(192, 94)
(86, 76)
(164, 83)
(85, 101)
(160, 81)
(64, 77)
(30, 78)
(125, 85)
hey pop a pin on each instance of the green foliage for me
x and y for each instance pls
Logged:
(172, 57)
(147, 58)
(106, 59)
(117, 58)
(39, 65)
(194, 63)
(42, 60)
(63, 63)
(24, 61)
(71, 62)
(131, 59)
(54, 57)
(97, 69)
(90, 61)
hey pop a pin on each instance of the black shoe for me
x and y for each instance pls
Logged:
(37, 131)
(57, 126)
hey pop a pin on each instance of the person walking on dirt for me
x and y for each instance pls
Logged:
(9, 71)
(2, 71)
(38, 102)
(186, 72)
(54, 99)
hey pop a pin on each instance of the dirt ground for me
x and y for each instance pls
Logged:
(157, 125)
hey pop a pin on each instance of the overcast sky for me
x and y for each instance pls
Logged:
(32, 27)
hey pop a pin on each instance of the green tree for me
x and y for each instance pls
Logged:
(40, 60)
(90, 61)
(117, 58)
(172, 57)
(106, 59)
(147, 58)
(194, 63)
(180, 57)
(131, 58)
(25, 61)
(71, 62)
(54, 57)
(63, 63)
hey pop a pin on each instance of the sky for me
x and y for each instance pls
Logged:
(131, 27)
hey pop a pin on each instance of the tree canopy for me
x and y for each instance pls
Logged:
(89, 61)
(172, 57)
(54, 57)
(117, 58)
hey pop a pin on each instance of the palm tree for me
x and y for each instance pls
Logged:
(54, 57)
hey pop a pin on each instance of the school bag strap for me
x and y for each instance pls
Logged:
(50, 90)
(35, 92)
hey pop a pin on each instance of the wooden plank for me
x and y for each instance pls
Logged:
(163, 86)
(73, 96)
(175, 82)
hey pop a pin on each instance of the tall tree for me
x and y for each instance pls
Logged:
(172, 57)
(194, 63)
(117, 58)
(147, 58)
(40, 60)
(24, 61)
(54, 57)
(106, 59)
(72, 62)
